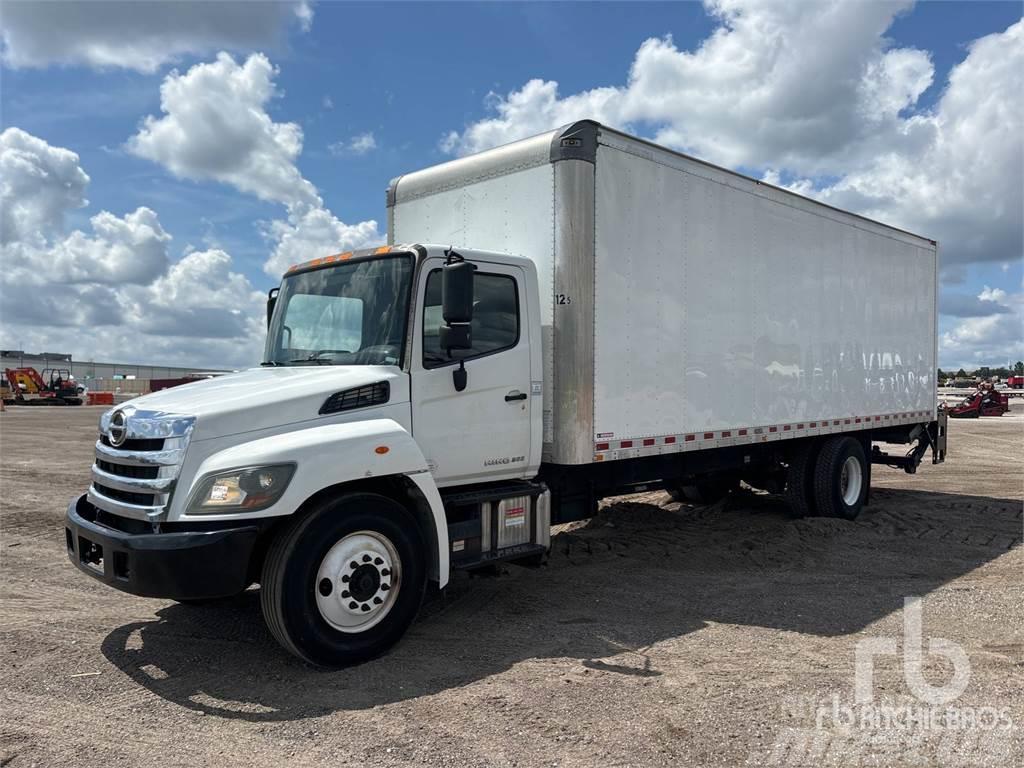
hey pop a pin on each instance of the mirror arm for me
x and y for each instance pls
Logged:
(451, 256)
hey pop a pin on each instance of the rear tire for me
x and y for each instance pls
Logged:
(343, 583)
(799, 493)
(841, 478)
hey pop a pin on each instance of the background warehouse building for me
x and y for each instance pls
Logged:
(99, 375)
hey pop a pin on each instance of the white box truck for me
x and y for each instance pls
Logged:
(596, 315)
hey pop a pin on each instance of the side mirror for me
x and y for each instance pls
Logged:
(457, 310)
(457, 291)
(456, 303)
(271, 302)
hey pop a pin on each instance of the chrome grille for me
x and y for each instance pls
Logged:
(127, 470)
(137, 478)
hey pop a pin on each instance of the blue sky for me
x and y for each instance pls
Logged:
(410, 74)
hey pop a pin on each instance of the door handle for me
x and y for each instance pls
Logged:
(514, 395)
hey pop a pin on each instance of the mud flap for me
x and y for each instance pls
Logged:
(937, 432)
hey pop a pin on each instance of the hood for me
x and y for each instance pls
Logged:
(263, 398)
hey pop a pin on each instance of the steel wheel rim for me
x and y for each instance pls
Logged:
(358, 581)
(850, 480)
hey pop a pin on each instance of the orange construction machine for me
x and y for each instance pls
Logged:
(55, 386)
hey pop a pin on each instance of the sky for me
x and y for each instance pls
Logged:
(161, 164)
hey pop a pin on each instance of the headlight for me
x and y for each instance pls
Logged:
(240, 490)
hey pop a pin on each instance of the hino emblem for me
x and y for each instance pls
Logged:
(118, 428)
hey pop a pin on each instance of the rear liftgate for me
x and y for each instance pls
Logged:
(506, 522)
(923, 436)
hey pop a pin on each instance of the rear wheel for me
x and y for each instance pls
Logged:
(841, 478)
(343, 583)
(800, 480)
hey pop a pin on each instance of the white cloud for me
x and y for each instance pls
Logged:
(112, 291)
(988, 302)
(132, 249)
(359, 144)
(312, 233)
(808, 91)
(200, 296)
(785, 84)
(997, 295)
(957, 178)
(215, 126)
(534, 108)
(141, 35)
(38, 183)
(986, 339)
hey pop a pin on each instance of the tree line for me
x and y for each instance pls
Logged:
(984, 372)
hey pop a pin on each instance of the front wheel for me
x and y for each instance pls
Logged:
(344, 582)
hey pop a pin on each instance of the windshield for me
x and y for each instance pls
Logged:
(351, 314)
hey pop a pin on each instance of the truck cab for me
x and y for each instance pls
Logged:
(390, 377)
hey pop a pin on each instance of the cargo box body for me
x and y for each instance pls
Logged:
(686, 307)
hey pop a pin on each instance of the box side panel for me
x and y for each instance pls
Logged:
(721, 305)
(509, 213)
(640, 310)
(465, 171)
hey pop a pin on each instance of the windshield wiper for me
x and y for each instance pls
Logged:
(316, 356)
(270, 362)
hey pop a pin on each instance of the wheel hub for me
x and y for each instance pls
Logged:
(364, 583)
(850, 480)
(358, 581)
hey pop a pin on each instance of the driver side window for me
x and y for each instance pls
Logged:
(495, 324)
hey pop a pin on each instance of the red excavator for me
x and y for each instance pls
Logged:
(984, 402)
(55, 386)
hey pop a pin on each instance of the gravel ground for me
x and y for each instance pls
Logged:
(658, 634)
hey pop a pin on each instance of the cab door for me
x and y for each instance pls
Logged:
(482, 433)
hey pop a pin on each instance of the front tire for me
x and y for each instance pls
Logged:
(342, 584)
(841, 478)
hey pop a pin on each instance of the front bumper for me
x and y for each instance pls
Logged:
(182, 565)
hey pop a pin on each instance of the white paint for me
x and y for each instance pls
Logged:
(723, 303)
(476, 435)
(324, 455)
(511, 213)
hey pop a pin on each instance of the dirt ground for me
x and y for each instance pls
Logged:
(658, 634)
